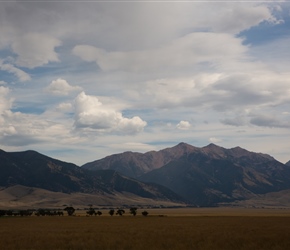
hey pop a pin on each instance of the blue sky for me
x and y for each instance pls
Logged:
(80, 80)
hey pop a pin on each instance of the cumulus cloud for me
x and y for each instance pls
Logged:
(65, 107)
(61, 87)
(91, 113)
(183, 125)
(20, 74)
(10, 130)
(35, 49)
(19, 129)
(11, 122)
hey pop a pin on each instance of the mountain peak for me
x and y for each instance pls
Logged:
(181, 144)
(213, 149)
(212, 145)
(238, 151)
(180, 148)
(184, 145)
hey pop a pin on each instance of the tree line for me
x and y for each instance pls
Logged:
(133, 211)
(70, 210)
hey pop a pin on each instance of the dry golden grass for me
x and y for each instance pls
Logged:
(175, 231)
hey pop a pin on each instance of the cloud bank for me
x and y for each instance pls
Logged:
(100, 78)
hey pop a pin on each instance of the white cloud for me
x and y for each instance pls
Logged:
(25, 130)
(65, 107)
(35, 49)
(61, 87)
(221, 92)
(238, 17)
(19, 129)
(150, 64)
(5, 103)
(22, 76)
(183, 125)
(10, 130)
(194, 48)
(127, 25)
(92, 114)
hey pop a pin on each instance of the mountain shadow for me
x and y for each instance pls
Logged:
(33, 169)
(213, 174)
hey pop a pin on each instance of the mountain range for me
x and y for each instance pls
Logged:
(183, 174)
(136, 164)
(32, 169)
(203, 176)
(212, 174)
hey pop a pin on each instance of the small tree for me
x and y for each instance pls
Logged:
(145, 213)
(70, 211)
(91, 211)
(133, 211)
(111, 212)
(120, 212)
(2, 212)
(99, 213)
(9, 212)
(40, 212)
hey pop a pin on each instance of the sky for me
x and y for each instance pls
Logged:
(81, 80)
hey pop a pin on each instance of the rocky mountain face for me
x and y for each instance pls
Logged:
(213, 174)
(136, 164)
(288, 163)
(204, 176)
(32, 169)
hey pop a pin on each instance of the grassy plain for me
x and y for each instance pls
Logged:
(220, 228)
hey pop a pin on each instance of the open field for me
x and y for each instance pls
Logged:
(176, 229)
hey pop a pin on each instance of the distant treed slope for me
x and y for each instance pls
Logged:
(136, 164)
(32, 169)
(213, 174)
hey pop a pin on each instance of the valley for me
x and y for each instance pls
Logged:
(195, 228)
